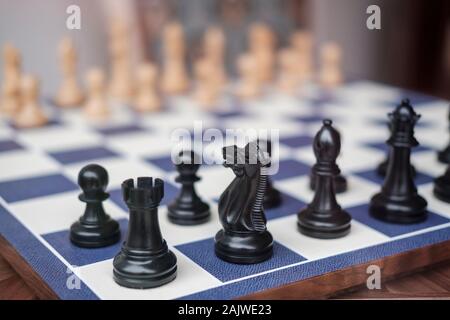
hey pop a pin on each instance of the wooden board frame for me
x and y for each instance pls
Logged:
(319, 287)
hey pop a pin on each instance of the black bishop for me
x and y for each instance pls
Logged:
(324, 218)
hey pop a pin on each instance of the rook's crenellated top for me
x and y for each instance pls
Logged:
(147, 193)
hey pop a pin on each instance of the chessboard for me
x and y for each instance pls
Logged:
(39, 195)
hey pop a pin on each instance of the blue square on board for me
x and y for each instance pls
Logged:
(311, 118)
(297, 141)
(372, 175)
(289, 205)
(291, 168)
(123, 129)
(28, 188)
(361, 214)
(202, 253)
(9, 145)
(77, 256)
(164, 163)
(81, 155)
(227, 114)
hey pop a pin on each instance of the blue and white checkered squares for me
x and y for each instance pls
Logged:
(39, 190)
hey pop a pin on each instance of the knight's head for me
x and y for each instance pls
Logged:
(250, 157)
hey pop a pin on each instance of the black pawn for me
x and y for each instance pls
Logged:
(272, 197)
(188, 208)
(442, 186)
(95, 228)
(444, 155)
(145, 260)
(398, 201)
(324, 218)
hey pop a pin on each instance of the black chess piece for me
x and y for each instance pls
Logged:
(442, 186)
(340, 182)
(188, 208)
(145, 261)
(398, 201)
(382, 167)
(95, 228)
(324, 218)
(272, 197)
(244, 238)
(444, 155)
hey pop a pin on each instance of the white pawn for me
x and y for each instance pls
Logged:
(330, 75)
(174, 76)
(288, 80)
(262, 47)
(10, 93)
(214, 51)
(147, 97)
(121, 83)
(96, 107)
(31, 114)
(69, 93)
(302, 42)
(207, 89)
(250, 82)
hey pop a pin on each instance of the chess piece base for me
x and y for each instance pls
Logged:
(323, 226)
(244, 248)
(340, 183)
(192, 214)
(444, 155)
(401, 211)
(141, 269)
(442, 189)
(95, 236)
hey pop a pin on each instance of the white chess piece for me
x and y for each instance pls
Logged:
(31, 114)
(174, 76)
(330, 75)
(147, 97)
(69, 93)
(10, 94)
(96, 107)
(250, 84)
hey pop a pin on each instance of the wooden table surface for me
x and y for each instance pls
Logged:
(429, 283)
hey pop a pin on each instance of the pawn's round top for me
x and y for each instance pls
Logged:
(187, 161)
(327, 143)
(93, 180)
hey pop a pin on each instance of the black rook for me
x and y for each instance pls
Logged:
(145, 260)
